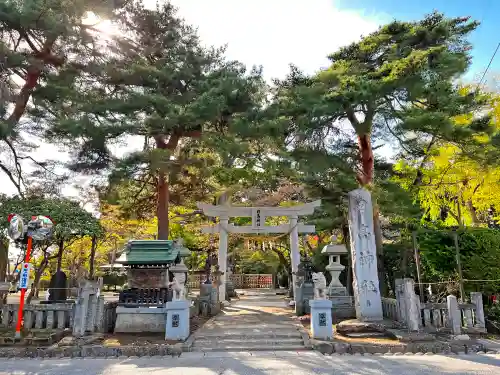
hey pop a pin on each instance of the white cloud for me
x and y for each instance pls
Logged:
(275, 33)
(271, 33)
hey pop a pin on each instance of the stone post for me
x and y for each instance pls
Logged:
(81, 310)
(367, 297)
(477, 299)
(454, 316)
(294, 252)
(399, 291)
(177, 319)
(223, 224)
(321, 319)
(412, 305)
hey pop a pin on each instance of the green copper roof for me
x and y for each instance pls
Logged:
(152, 252)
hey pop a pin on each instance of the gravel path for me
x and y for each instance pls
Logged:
(260, 363)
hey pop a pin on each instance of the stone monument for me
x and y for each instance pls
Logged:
(321, 310)
(58, 287)
(367, 299)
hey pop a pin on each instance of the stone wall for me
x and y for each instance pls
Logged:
(147, 278)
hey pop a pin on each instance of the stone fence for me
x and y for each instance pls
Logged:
(453, 317)
(240, 281)
(54, 316)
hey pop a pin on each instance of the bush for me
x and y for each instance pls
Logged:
(479, 255)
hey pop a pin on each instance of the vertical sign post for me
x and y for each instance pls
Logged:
(23, 281)
(39, 228)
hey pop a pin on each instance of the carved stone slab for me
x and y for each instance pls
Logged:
(364, 260)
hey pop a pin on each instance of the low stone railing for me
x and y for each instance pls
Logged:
(54, 316)
(89, 313)
(435, 317)
(454, 316)
(390, 309)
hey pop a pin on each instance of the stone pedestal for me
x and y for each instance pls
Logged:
(177, 325)
(209, 294)
(139, 319)
(367, 298)
(321, 319)
(305, 293)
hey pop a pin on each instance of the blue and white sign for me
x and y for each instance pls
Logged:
(24, 278)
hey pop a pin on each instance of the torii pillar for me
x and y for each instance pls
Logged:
(258, 215)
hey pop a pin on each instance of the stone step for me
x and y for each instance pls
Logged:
(270, 341)
(245, 348)
(270, 327)
(228, 333)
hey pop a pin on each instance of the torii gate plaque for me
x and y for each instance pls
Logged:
(258, 215)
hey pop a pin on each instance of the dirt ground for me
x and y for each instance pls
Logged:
(140, 339)
(306, 323)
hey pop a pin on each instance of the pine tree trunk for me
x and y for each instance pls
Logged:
(163, 189)
(366, 153)
(162, 206)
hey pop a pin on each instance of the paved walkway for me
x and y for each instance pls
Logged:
(259, 320)
(260, 363)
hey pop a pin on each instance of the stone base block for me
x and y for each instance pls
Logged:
(321, 319)
(177, 326)
(140, 319)
(205, 289)
(334, 291)
(231, 293)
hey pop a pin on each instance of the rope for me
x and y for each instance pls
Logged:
(438, 282)
(457, 281)
(257, 237)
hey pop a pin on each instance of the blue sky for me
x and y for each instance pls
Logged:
(484, 39)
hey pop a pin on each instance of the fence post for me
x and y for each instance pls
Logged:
(477, 299)
(454, 315)
(412, 305)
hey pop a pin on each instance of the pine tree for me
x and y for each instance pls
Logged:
(45, 47)
(396, 85)
(163, 86)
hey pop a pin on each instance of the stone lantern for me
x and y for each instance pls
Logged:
(334, 250)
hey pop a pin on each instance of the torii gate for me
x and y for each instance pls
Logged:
(258, 215)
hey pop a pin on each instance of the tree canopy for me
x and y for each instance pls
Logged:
(163, 121)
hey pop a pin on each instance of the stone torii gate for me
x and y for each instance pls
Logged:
(258, 215)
